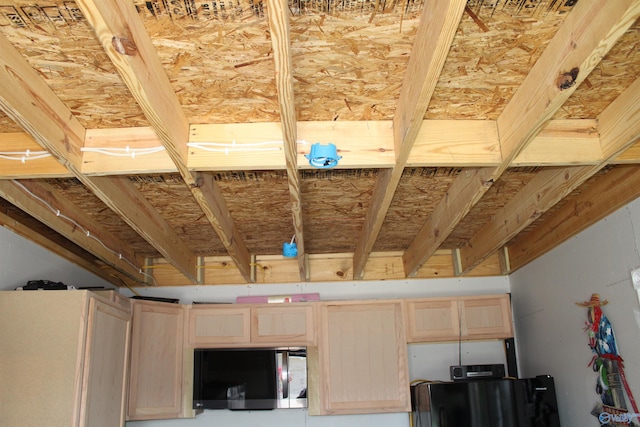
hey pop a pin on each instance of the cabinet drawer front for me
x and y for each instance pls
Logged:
(217, 326)
(286, 325)
(433, 320)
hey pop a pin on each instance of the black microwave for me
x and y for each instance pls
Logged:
(250, 379)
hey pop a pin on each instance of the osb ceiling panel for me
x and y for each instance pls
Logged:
(260, 204)
(334, 204)
(419, 192)
(58, 43)
(349, 58)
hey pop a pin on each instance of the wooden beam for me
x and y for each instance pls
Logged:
(582, 40)
(28, 158)
(278, 15)
(139, 151)
(438, 24)
(26, 98)
(588, 33)
(337, 267)
(44, 203)
(362, 144)
(126, 42)
(39, 111)
(619, 128)
(61, 247)
(121, 196)
(547, 188)
(607, 194)
(563, 143)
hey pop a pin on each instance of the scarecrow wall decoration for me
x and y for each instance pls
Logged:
(611, 384)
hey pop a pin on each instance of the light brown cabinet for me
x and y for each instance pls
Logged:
(459, 318)
(157, 380)
(362, 359)
(215, 326)
(67, 351)
(286, 324)
(486, 317)
(433, 319)
(251, 325)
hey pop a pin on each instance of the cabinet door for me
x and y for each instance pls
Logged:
(486, 317)
(286, 324)
(434, 319)
(156, 380)
(105, 365)
(219, 326)
(363, 358)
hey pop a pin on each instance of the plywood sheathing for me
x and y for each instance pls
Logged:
(259, 203)
(335, 203)
(171, 197)
(348, 57)
(58, 43)
(418, 193)
(488, 60)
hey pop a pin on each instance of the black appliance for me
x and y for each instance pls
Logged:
(249, 379)
(529, 402)
(470, 372)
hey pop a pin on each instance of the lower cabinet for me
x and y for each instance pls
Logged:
(159, 371)
(64, 359)
(362, 359)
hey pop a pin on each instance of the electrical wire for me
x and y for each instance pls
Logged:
(23, 156)
(81, 228)
(228, 148)
(123, 152)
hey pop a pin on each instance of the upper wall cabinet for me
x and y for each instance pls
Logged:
(157, 367)
(213, 325)
(433, 319)
(286, 324)
(251, 325)
(485, 317)
(64, 359)
(464, 318)
(362, 358)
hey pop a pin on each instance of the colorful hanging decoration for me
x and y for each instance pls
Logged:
(611, 383)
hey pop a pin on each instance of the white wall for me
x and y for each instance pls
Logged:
(22, 260)
(550, 326)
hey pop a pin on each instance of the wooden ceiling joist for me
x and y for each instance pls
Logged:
(45, 204)
(128, 45)
(438, 24)
(607, 194)
(101, 270)
(580, 43)
(26, 98)
(278, 14)
(619, 127)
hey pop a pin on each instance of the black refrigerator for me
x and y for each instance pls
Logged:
(529, 402)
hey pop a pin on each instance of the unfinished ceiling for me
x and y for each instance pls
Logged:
(163, 142)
